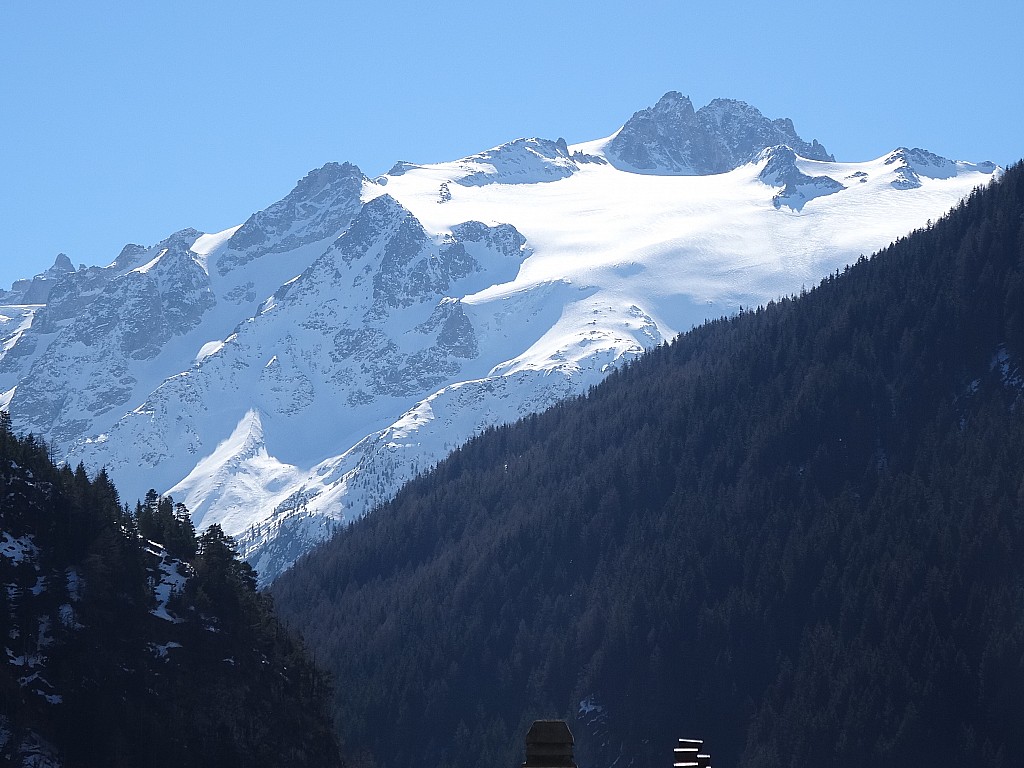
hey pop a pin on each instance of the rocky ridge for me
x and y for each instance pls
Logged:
(672, 137)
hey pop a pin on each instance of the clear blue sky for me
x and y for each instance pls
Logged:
(125, 121)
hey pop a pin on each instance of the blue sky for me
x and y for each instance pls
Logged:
(123, 122)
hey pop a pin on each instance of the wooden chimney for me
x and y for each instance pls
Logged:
(549, 745)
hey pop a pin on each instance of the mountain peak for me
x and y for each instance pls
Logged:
(670, 138)
(61, 265)
(327, 176)
(673, 102)
(321, 205)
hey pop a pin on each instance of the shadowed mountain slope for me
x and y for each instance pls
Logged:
(796, 533)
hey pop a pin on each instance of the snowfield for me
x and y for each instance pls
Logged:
(288, 374)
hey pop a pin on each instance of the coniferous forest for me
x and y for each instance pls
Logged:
(797, 533)
(130, 641)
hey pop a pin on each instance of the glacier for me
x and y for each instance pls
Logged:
(288, 374)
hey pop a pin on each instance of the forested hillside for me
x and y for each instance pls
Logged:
(797, 533)
(129, 641)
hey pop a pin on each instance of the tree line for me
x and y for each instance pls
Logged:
(129, 640)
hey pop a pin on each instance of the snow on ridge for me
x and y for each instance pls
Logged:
(150, 265)
(910, 165)
(523, 161)
(208, 243)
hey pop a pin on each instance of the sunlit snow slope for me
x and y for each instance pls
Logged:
(291, 373)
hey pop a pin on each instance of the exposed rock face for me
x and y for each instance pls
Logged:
(523, 161)
(37, 289)
(797, 187)
(911, 165)
(672, 138)
(372, 323)
(87, 370)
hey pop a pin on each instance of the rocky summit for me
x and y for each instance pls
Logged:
(671, 137)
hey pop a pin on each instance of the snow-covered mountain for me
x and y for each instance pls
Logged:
(288, 374)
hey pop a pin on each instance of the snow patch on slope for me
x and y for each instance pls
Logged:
(221, 487)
